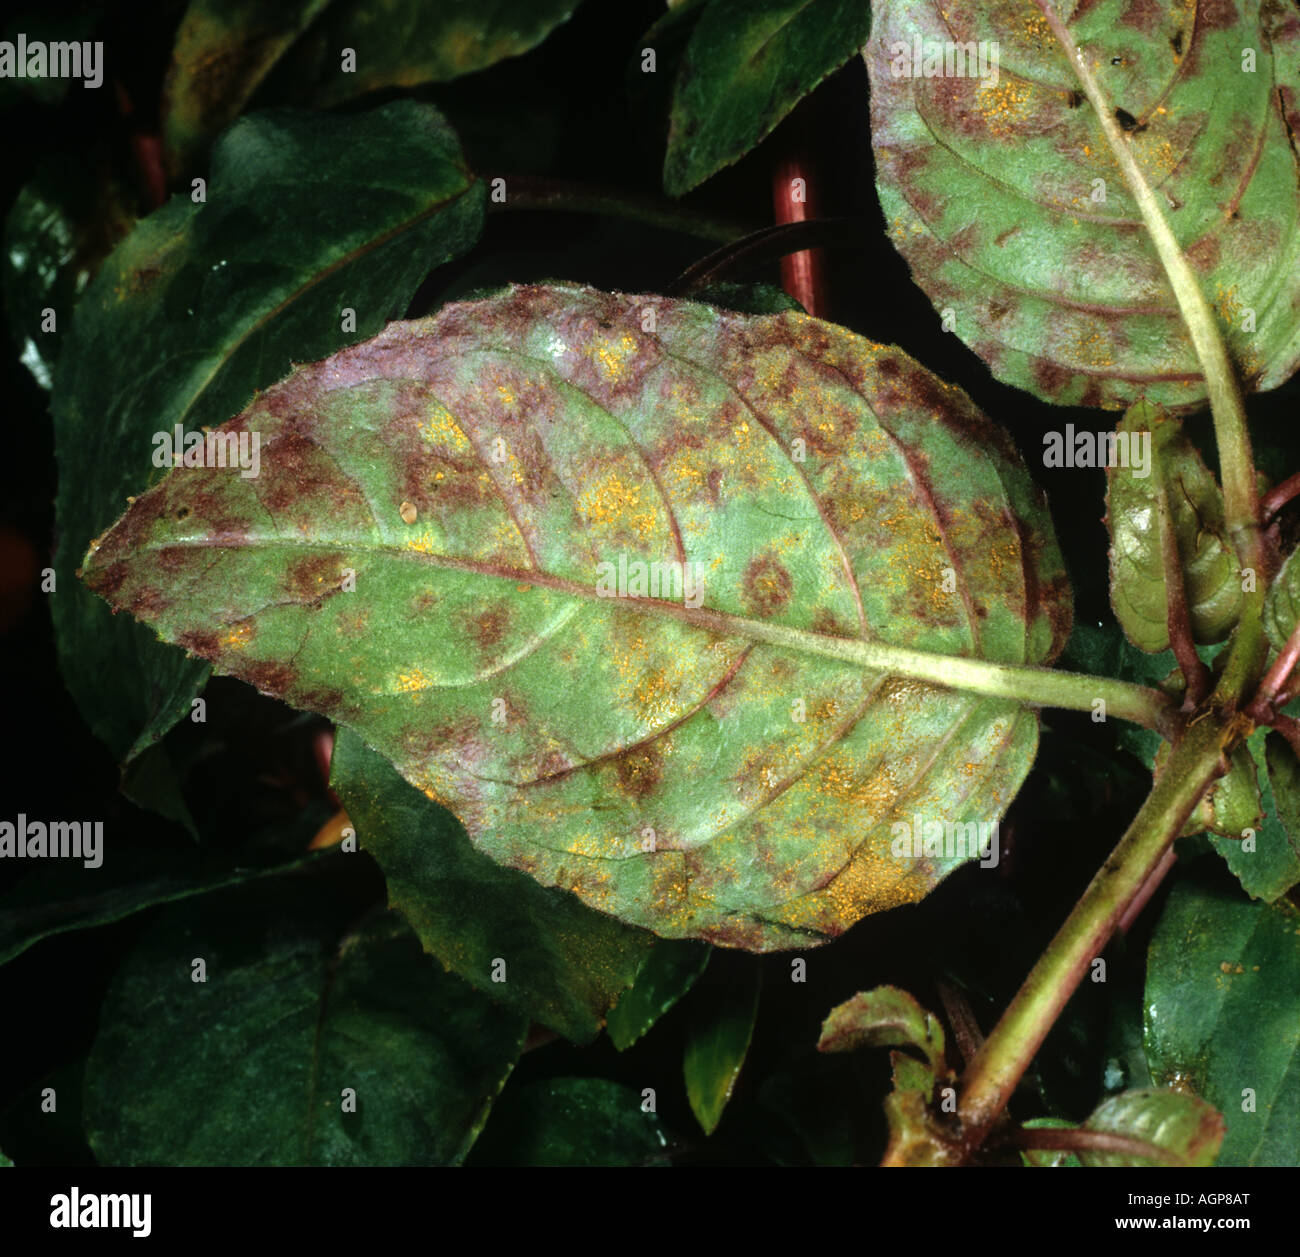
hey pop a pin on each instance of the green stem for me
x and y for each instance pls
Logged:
(1232, 436)
(988, 1083)
(1197, 759)
(528, 192)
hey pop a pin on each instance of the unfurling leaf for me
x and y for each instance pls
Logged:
(999, 188)
(885, 1017)
(1235, 796)
(1182, 1126)
(1265, 857)
(1282, 606)
(1167, 488)
(888, 1016)
(583, 583)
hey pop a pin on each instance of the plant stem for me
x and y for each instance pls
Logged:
(1278, 675)
(1278, 496)
(989, 1082)
(528, 192)
(1177, 616)
(1236, 462)
(1100, 1141)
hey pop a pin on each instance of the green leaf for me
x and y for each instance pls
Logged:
(564, 964)
(1223, 1016)
(705, 771)
(1179, 494)
(1235, 797)
(748, 63)
(650, 92)
(717, 1043)
(204, 304)
(57, 232)
(54, 900)
(1267, 862)
(667, 974)
(747, 298)
(295, 1012)
(223, 51)
(889, 1016)
(404, 43)
(573, 1122)
(1282, 605)
(1184, 1126)
(883, 1017)
(992, 188)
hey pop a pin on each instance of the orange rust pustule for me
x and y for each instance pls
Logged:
(767, 585)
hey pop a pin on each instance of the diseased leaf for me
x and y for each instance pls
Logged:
(223, 51)
(884, 1017)
(307, 216)
(294, 1013)
(667, 974)
(748, 63)
(573, 1121)
(1000, 190)
(1183, 1125)
(1223, 1016)
(1282, 605)
(1179, 488)
(446, 521)
(404, 43)
(564, 963)
(717, 1043)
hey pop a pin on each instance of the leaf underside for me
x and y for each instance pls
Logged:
(992, 187)
(476, 469)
